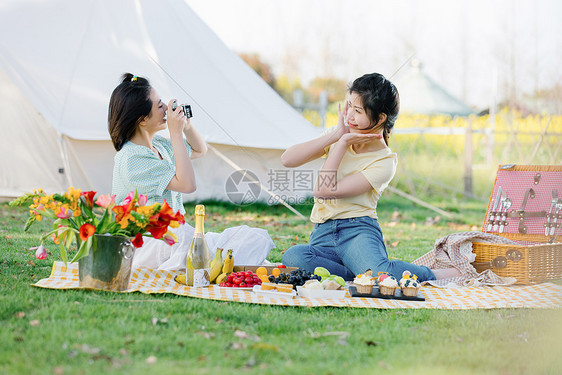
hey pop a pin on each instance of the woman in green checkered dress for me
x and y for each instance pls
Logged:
(161, 169)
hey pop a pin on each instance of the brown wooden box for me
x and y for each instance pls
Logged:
(532, 213)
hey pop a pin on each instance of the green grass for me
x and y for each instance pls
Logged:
(82, 332)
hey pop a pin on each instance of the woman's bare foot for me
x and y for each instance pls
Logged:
(446, 273)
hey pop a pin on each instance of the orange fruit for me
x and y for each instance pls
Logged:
(264, 278)
(275, 272)
(261, 271)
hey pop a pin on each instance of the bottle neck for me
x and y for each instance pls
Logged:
(199, 224)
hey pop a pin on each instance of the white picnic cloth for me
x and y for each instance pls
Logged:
(249, 246)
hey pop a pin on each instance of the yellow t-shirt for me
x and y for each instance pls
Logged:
(378, 167)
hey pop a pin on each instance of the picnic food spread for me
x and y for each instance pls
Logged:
(319, 284)
(293, 284)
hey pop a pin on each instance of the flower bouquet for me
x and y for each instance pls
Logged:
(99, 227)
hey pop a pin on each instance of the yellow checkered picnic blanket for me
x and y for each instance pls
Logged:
(545, 295)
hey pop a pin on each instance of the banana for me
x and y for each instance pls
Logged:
(216, 265)
(228, 265)
(181, 279)
(220, 278)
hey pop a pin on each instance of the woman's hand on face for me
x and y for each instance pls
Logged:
(357, 139)
(342, 117)
(176, 119)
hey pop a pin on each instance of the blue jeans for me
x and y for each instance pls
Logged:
(348, 247)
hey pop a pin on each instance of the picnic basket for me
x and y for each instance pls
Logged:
(525, 206)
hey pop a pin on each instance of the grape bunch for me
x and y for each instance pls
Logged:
(296, 278)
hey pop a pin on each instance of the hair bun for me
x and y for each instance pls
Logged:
(128, 77)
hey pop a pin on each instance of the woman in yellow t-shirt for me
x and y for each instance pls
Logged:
(347, 239)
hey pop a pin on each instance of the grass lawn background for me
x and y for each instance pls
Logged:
(83, 332)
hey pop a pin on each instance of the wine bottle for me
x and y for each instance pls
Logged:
(198, 262)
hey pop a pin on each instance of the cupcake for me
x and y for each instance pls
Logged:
(364, 282)
(409, 284)
(387, 284)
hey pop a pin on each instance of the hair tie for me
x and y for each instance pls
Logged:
(134, 79)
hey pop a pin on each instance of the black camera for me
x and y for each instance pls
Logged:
(185, 107)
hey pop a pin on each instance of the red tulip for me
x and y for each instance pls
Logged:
(89, 198)
(86, 230)
(157, 231)
(137, 241)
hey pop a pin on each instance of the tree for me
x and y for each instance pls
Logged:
(286, 88)
(263, 69)
(335, 87)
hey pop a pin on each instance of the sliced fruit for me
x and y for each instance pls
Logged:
(340, 280)
(322, 272)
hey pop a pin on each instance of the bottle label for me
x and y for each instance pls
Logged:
(201, 277)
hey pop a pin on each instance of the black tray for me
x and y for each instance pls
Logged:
(376, 294)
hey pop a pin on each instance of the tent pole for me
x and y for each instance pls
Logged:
(275, 196)
(420, 202)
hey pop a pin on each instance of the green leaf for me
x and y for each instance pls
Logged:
(104, 222)
(86, 211)
(71, 223)
(84, 249)
(60, 198)
(23, 200)
(30, 221)
(63, 254)
(70, 234)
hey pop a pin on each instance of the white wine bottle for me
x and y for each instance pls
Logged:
(198, 262)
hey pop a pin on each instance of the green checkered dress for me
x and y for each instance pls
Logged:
(137, 167)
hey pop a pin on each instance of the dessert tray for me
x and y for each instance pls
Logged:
(376, 294)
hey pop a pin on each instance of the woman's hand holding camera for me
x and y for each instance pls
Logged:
(176, 119)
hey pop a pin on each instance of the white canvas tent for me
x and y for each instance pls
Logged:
(420, 94)
(61, 59)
